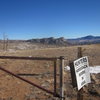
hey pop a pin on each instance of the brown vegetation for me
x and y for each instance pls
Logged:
(12, 88)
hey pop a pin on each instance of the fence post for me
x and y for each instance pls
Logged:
(80, 92)
(72, 69)
(62, 78)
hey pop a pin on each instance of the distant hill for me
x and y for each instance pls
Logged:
(85, 40)
(62, 41)
(50, 41)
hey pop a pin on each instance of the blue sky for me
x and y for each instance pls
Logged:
(26, 19)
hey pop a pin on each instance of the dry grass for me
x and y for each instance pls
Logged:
(15, 89)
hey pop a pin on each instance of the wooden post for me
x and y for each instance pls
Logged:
(79, 55)
(80, 92)
(74, 83)
(4, 41)
(61, 78)
(6, 48)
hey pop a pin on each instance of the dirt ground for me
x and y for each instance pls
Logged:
(12, 88)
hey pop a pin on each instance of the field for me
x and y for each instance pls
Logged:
(12, 88)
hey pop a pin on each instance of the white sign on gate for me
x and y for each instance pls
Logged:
(81, 67)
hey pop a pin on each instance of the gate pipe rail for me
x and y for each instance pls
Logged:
(48, 91)
(30, 58)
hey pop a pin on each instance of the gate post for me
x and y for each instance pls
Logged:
(55, 77)
(62, 78)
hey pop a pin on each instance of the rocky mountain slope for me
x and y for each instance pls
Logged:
(50, 41)
(62, 41)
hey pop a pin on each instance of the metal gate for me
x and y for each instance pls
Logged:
(54, 60)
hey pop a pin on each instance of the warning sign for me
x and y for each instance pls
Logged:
(81, 67)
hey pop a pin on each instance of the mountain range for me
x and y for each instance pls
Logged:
(85, 40)
(62, 41)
